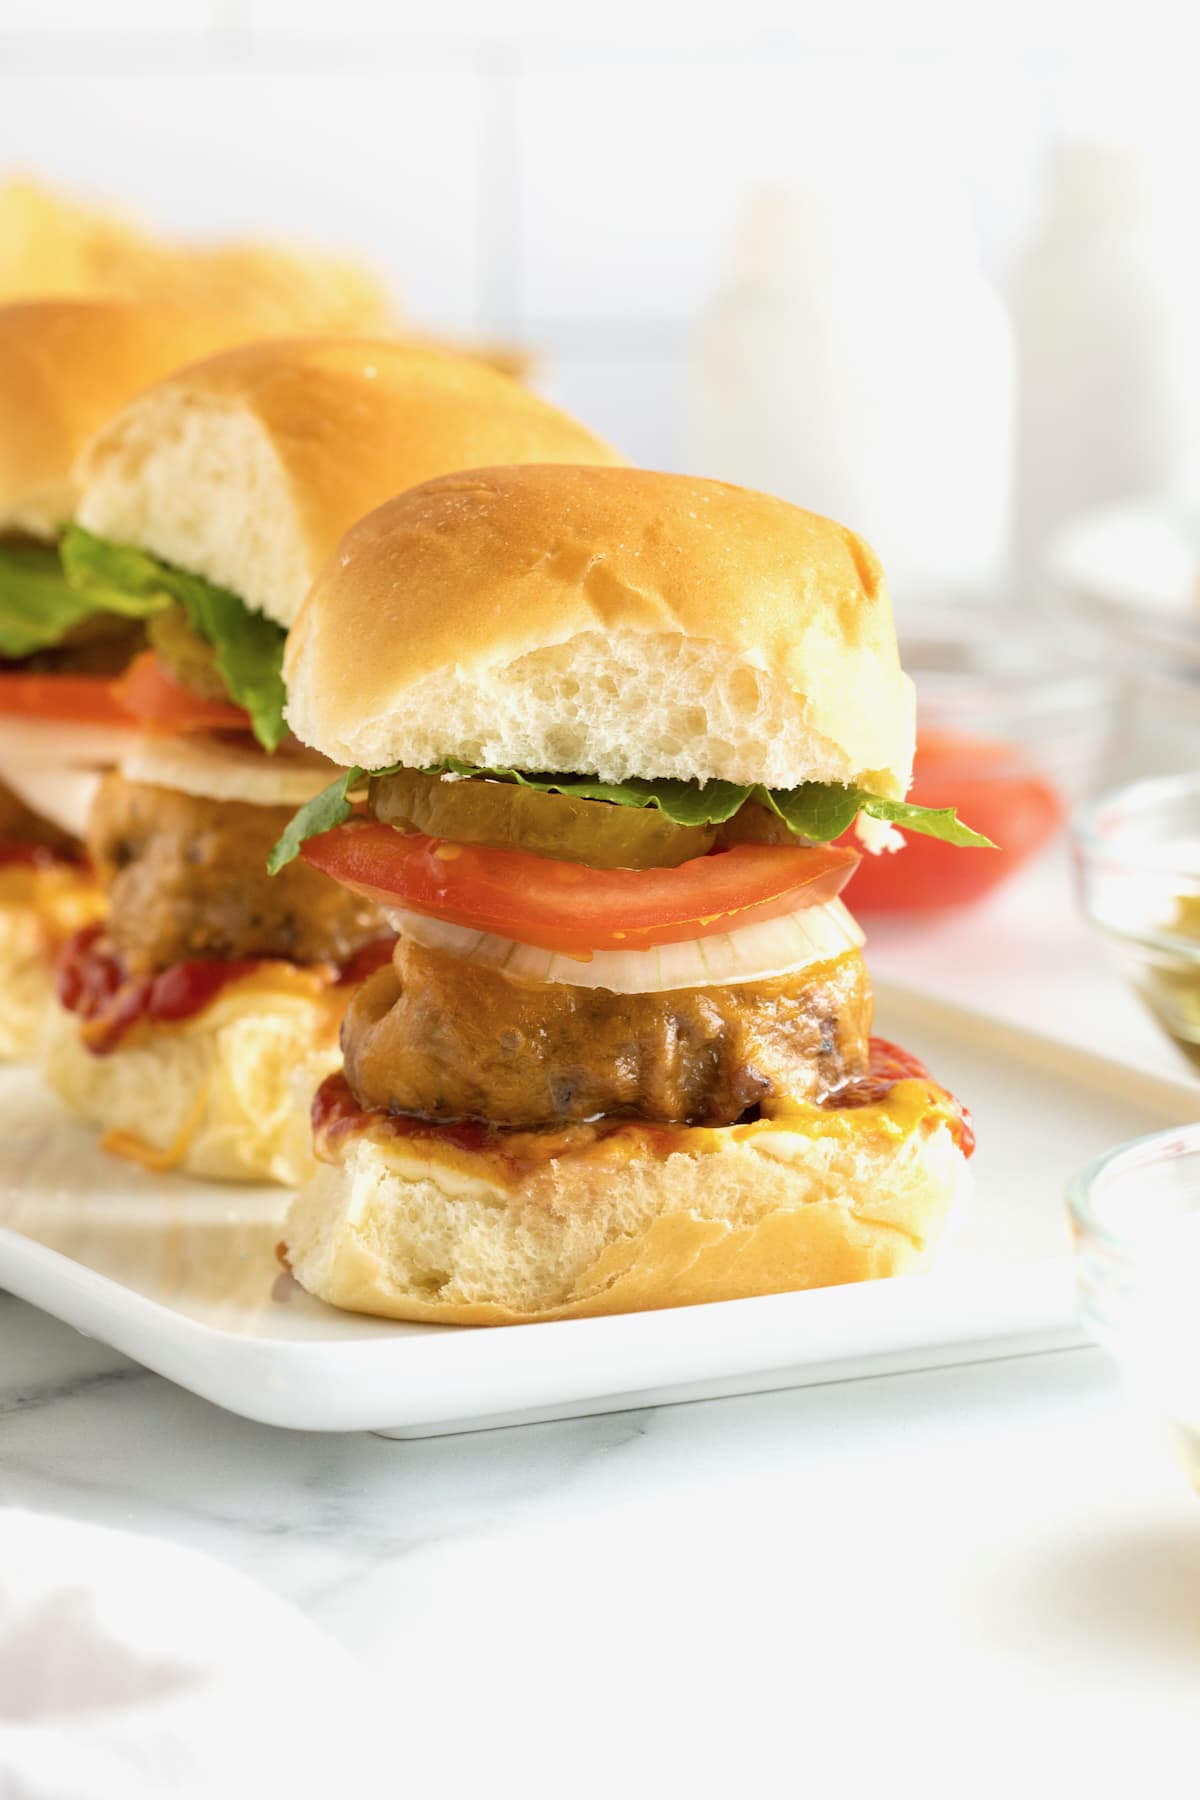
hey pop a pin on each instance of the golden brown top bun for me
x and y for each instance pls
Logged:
(53, 244)
(247, 468)
(606, 621)
(65, 367)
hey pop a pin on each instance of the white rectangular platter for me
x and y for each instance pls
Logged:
(183, 1277)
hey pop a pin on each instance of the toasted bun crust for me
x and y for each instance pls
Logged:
(732, 1213)
(65, 367)
(38, 909)
(607, 621)
(247, 468)
(51, 243)
(224, 1095)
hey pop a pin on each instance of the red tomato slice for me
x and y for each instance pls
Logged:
(567, 906)
(83, 699)
(160, 703)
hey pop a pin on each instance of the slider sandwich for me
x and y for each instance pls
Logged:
(604, 728)
(65, 367)
(194, 1026)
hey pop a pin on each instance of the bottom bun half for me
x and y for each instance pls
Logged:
(224, 1095)
(39, 908)
(622, 1226)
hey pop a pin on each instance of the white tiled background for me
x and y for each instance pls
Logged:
(563, 175)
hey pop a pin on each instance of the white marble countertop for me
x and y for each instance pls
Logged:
(956, 1581)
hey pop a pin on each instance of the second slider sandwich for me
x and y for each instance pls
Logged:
(621, 1057)
(194, 1025)
(65, 367)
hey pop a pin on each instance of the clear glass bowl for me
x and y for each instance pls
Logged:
(1137, 867)
(1010, 731)
(1126, 581)
(1136, 1220)
(1002, 676)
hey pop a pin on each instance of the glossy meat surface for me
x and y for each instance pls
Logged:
(443, 1039)
(187, 877)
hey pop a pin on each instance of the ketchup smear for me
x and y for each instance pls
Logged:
(335, 1109)
(14, 854)
(890, 1064)
(93, 982)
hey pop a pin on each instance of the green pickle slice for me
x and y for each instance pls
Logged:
(503, 816)
(191, 660)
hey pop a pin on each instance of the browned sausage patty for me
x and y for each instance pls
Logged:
(188, 877)
(443, 1039)
(18, 825)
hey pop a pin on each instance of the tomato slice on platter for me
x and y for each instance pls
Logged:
(81, 699)
(158, 702)
(569, 907)
(993, 786)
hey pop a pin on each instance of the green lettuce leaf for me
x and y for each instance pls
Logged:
(248, 645)
(817, 811)
(38, 606)
(330, 807)
(683, 802)
(930, 821)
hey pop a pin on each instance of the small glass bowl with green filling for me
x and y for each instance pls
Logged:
(1135, 1217)
(1137, 868)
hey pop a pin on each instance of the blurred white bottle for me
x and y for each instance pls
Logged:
(856, 362)
(1103, 310)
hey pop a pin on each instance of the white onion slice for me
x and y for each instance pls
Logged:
(64, 796)
(757, 952)
(214, 769)
(60, 744)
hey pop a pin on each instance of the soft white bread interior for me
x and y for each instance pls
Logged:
(247, 468)
(224, 1095)
(604, 621)
(39, 908)
(65, 367)
(732, 1213)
